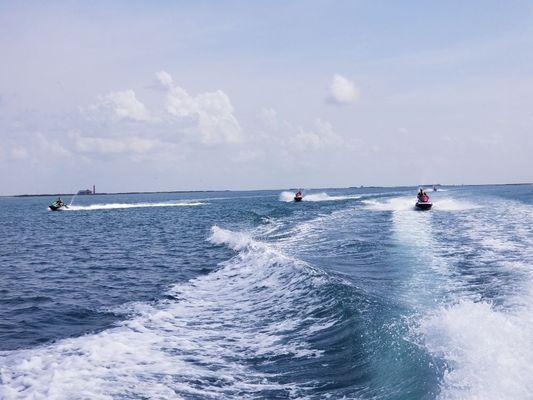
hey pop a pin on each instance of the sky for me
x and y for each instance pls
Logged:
(209, 95)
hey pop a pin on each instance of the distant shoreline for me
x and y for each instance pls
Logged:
(255, 190)
(114, 193)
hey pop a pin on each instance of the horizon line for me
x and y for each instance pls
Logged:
(257, 190)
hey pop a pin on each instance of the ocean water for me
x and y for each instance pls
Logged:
(350, 294)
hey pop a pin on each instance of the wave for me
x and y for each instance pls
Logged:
(289, 197)
(112, 206)
(488, 351)
(218, 337)
(484, 333)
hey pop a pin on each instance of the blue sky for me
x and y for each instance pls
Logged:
(240, 95)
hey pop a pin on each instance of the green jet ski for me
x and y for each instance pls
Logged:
(57, 205)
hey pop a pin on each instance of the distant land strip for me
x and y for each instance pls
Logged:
(263, 190)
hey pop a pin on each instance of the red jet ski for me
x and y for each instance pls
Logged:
(423, 202)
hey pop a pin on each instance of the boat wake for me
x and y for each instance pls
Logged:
(484, 333)
(113, 206)
(289, 197)
(406, 203)
(488, 351)
(218, 335)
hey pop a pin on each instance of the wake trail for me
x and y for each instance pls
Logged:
(484, 331)
(113, 206)
(315, 197)
(260, 305)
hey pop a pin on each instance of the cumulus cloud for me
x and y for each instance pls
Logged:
(128, 126)
(118, 106)
(211, 112)
(319, 137)
(342, 91)
(269, 116)
(164, 78)
(295, 138)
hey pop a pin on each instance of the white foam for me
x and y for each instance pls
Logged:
(487, 346)
(498, 244)
(449, 204)
(489, 352)
(327, 197)
(195, 346)
(393, 204)
(112, 206)
(286, 197)
(406, 203)
(289, 197)
(234, 240)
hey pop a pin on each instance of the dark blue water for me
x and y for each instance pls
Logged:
(351, 293)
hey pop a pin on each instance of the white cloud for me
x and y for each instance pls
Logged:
(268, 115)
(50, 147)
(295, 138)
(85, 144)
(205, 118)
(19, 153)
(321, 136)
(249, 155)
(36, 148)
(164, 78)
(342, 90)
(211, 112)
(117, 106)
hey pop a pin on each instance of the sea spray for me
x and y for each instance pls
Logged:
(72, 200)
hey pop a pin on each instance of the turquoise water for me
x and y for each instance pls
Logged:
(351, 293)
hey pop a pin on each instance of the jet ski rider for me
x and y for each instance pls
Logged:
(422, 196)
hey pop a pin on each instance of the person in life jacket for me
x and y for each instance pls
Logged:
(422, 196)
